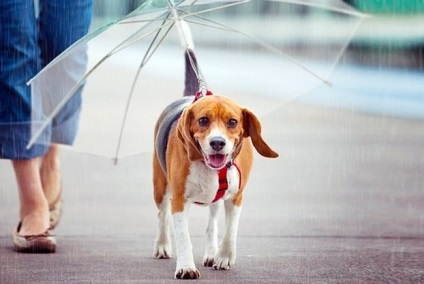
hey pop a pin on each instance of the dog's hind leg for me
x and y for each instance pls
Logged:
(163, 245)
(212, 235)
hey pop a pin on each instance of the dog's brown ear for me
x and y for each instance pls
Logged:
(184, 135)
(252, 129)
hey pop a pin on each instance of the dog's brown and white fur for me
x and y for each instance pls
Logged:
(211, 133)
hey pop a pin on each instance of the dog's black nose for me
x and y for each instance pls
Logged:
(217, 143)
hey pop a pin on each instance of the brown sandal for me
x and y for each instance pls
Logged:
(42, 243)
(55, 210)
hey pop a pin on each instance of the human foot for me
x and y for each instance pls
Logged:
(34, 208)
(39, 243)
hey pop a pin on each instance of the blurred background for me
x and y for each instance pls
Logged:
(392, 37)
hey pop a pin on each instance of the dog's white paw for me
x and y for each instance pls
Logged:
(224, 259)
(162, 251)
(222, 263)
(187, 273)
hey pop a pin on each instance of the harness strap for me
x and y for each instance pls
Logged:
(223, 182)
(201, 93)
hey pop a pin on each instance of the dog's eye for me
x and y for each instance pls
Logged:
(232, 123)
(203, 121)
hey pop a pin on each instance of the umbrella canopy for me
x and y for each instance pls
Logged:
(266, 49)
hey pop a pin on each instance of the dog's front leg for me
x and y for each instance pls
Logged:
(185, 262)
(226, 255)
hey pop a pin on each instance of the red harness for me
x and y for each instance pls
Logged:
(223, 182)
(200, 94)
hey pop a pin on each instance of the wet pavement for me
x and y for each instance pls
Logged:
(343, 204)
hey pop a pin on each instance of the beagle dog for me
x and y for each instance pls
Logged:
(203, 155)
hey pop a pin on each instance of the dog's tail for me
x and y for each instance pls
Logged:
(191, 86)
(192, 73)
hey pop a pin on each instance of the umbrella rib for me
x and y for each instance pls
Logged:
(62, 104)
(149, 53)
(339, 55)
(158, 44)
(209, 25)
(217, 8)
(125, 22)
(125, 43)
(345, 45)
(70, 49)
(321, 4)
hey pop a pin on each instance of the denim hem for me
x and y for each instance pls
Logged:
(14, 138)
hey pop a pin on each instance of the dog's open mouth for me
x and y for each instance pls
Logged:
(216, 161)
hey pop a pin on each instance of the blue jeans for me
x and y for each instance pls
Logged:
(28, 43)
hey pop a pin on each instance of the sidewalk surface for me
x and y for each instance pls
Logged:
(343, 204)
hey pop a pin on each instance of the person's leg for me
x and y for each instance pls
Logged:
(33, 233)
(34, 213)
(50, 175)
(18, 63)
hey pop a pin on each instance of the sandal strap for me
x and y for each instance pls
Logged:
(47, 233)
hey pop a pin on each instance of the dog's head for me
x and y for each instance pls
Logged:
(213, 129)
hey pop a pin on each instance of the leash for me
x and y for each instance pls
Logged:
(203, 90)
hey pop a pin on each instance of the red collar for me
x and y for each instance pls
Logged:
(223, 182)
(201, 94)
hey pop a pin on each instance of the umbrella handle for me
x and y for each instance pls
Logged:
(182, 27)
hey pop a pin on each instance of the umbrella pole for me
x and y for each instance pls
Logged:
(187, 44)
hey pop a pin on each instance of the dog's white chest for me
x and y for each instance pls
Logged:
(203, 183)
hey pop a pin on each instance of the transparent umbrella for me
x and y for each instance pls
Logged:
(273, 48)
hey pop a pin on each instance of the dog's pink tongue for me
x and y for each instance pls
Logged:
(217, 160)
